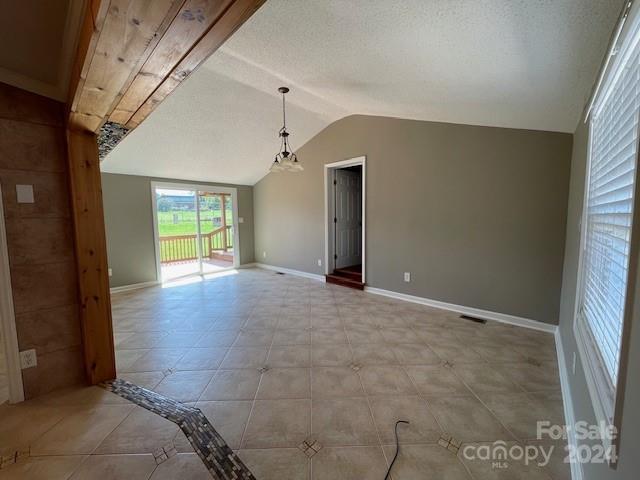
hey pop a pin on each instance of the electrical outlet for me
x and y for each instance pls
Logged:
(407, 276)
(111, 272)
(240, 219)
(319, 262)
(573, 368)
(28, 359)
(264, 254)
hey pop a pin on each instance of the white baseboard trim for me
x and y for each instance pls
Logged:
(298, 273)
(473, 312)
(134, 286)
(567, 401)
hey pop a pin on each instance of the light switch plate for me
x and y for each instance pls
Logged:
(407, 276)
(111, 272)
(24, 194)
(28, 359)
(240, 219)
(319, 262)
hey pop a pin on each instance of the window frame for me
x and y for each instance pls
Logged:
(605, 397)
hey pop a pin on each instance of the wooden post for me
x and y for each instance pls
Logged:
(146, 47)
(91, 253)
(224, 220)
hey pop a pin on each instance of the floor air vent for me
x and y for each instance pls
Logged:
(473, 319)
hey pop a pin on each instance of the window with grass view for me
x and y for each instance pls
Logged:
(195, 232)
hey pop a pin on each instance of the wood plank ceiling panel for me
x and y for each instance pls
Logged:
(128, 35)
(196, 17)
(233, 17)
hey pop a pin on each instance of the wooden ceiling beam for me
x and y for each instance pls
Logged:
(133, 53)
(88, 38)
(195, 19)
(125, 33)
(236, 13)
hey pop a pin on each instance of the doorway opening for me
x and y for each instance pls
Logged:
(345, 232)
(196, 231)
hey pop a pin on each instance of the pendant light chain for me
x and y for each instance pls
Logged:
(284, 114)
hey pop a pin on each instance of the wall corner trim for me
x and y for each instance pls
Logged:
(471, 311)
(133, 286)
(298, 273)
(567, 401)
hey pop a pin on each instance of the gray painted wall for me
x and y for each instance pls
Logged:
(629, 464)
(476, 214)
(129, 224)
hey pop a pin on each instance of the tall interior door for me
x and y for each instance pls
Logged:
(348, 218)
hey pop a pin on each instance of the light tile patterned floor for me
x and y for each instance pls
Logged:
(276, 360)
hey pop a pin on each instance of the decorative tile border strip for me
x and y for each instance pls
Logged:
(220, 460)
(310, 446)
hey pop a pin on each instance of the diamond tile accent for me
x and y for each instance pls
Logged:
(310, 447)
(160, 456)
(448, 442)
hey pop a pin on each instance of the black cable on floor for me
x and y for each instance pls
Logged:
(387, 476)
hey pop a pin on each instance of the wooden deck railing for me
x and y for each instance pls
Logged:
(183, 248)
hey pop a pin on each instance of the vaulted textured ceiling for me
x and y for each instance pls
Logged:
(506, 63)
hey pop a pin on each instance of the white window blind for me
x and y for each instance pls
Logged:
(608, 219)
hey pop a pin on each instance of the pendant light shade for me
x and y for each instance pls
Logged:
(285, 160)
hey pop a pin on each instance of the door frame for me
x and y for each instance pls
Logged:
(329, 174)
(202, 188)
(8, 318)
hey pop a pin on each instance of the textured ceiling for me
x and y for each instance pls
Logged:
(37, 42)
(211, 128)
(508, 63)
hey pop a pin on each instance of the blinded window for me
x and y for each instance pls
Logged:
(608, 220)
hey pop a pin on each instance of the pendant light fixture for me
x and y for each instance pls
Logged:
(285, 159)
